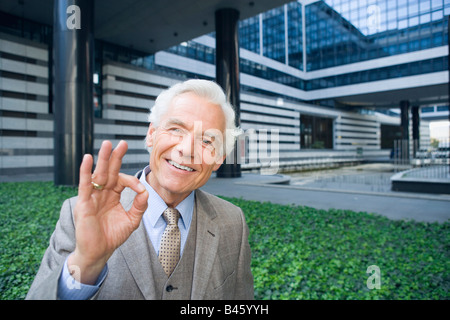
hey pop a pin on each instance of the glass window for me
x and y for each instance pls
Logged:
(426, 109)
(414, 21)
(424, 18)
(436, 4)
(437, 39)
(403, 48)
(273, 34)
(413, 10)
(249, 34)
(295, 41)
(437, 15)
(414, 68)
(425, 43)
(438, 65)
(402, 13)
(391, 5)
(392, 15)
(392, 49)
(351, 32)
(316, 132)
(424, 6)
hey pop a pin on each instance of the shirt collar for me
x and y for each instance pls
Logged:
(156, 204)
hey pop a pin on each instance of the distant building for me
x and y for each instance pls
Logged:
(322, 75)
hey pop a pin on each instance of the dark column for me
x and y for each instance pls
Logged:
(227, 75)
(404, 128)
(73, 45)
(415, 129)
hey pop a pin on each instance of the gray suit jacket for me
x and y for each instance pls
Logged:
(221, 265)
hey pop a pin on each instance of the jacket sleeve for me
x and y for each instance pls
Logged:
(62, 243)
(244, 284)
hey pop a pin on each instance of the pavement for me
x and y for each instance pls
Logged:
(357, 193)
(361, 189)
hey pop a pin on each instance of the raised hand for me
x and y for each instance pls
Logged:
(101, 223)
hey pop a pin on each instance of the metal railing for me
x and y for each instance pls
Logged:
(432, 160)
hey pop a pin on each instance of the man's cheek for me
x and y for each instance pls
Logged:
(209, 157)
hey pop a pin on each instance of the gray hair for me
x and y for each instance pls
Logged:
(203, 88)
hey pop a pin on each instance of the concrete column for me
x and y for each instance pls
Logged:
(73, 51)
(227, 75)
(415, 129)
(404, 127)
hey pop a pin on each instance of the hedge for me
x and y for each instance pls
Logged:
(297, 252)
(304, 253)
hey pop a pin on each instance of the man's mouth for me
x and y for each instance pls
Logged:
(179, 166)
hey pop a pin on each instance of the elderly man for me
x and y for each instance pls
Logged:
(154, 235)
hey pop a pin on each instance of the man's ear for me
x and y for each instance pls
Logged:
(149, 137)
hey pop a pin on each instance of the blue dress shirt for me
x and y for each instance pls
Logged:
(154, 223)
(153, 220)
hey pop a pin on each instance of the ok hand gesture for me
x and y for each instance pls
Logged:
(101, 223)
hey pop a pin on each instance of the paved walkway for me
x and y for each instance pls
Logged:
(394, 205)
(346, 188)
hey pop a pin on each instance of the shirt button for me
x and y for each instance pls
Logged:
(169, 288)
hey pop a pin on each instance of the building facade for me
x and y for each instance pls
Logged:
(317, 81)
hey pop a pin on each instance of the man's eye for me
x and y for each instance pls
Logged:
(176, 130)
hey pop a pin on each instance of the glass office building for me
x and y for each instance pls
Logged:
(316, 71)
(341, 32)
(306, 37)
(326, 34)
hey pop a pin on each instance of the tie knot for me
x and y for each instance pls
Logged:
(171, 216)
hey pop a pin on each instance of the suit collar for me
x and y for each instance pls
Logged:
(138, 248)
(136, 251)
(208, 235)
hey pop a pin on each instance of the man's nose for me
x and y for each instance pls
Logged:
(186, 145)
(190, 149)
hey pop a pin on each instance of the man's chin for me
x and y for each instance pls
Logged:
(176, 187)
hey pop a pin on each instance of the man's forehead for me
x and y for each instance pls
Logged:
(196, 125)
(185, 109)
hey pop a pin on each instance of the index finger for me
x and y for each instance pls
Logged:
(85, 186)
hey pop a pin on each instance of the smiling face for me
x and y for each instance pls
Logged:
(186, 147)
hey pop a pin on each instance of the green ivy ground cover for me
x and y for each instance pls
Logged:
(297, 252)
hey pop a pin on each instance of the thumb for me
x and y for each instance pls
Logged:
(140, 201)
(139, 205)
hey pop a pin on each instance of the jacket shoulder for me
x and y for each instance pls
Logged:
(216, 201)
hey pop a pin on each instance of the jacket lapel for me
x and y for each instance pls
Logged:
(138, 248)
(207, 242)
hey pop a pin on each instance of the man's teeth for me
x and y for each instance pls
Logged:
(179, 166)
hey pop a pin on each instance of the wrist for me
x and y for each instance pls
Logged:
(83, 270)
